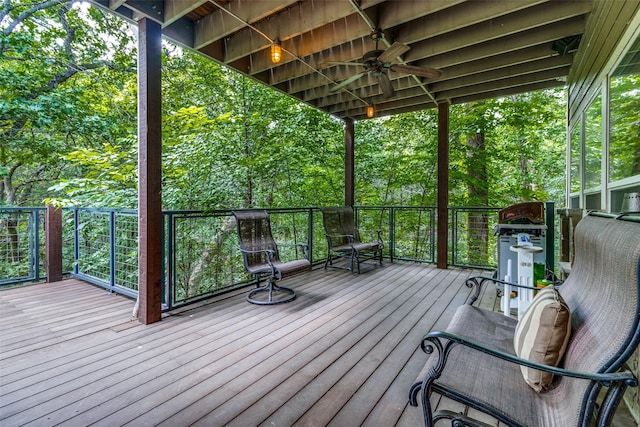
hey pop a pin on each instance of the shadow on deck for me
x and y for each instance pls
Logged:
(344, 353)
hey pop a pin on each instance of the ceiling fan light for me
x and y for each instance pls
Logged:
(276, 52)
(370, 111)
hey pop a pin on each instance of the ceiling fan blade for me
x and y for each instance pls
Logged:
(330, 63)
(428, 72)
(347, 82)
(385, 86)
(393, 52)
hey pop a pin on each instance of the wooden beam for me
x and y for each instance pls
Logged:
(555, 75)
(53, 244)
(149, 172)
(542, 22)
(443, 185)
(349, 163)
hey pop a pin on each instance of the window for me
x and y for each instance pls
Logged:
(593, 144)
(575, 142)
(624, 119)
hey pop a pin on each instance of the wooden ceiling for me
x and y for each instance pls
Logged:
(482, 48)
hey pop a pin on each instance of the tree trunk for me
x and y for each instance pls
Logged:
(478, 223)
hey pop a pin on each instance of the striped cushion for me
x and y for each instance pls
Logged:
(542, 334)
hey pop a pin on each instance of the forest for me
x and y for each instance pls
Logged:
(68, 131)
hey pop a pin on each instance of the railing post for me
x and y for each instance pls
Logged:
(392, 232)
(310, 234)
(170, 257)
(34, 244)
(112, 250)
(53, 244)
(454, 234)
(76, 242)
(432, 215)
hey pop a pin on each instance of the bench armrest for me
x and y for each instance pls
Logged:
(445, 342)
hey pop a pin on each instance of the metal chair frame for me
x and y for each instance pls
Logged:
(261, 257)
(343, 239)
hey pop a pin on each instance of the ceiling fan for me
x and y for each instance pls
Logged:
(378, 62)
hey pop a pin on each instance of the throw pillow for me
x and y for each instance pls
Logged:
(542, 334)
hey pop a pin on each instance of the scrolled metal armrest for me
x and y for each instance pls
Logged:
(445, 342)
(479, 281)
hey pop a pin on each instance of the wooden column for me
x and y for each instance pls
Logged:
(443, 185)
(53, 244)
(149, 172)
(349, 162)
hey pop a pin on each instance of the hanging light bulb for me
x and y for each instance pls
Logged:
(276, 52)
(370, 111)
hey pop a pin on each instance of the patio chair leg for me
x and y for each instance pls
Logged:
(356, 258)
(270, 288)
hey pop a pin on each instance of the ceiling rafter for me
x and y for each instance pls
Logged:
(483, 48)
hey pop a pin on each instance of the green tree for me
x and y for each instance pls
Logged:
(58, 72)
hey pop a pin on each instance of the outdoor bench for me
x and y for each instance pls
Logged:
(474, 360)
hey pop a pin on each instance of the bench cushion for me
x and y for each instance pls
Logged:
(542, 334)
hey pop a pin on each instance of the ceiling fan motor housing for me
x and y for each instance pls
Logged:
(372, 56)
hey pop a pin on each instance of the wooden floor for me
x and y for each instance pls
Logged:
(344, 353)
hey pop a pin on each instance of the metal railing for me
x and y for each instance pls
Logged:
(21, 245)
(473, 243)
(106, 248)
(200, 251)
(202, 256)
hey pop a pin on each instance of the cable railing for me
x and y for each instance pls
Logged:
(106, 248)
(200, 248)
(21, 245)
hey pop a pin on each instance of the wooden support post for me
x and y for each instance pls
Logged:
(349, 162)
(149, 172)
(443, 185)
(53, 244)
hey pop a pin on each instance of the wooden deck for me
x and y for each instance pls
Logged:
(344, 353)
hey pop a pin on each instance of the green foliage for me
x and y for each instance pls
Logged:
(625, 126)
(59, 72)
(68, 117)
(524, 143)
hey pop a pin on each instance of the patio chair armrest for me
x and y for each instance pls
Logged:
(478, 282)
(303, 246)
(445, 342)
(270, 252)
(333, 236)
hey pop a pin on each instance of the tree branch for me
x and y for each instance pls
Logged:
(7, 8)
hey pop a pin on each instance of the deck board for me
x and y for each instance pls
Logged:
(344, 353)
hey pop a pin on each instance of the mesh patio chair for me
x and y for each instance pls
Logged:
(343, 239)
(261, 258)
